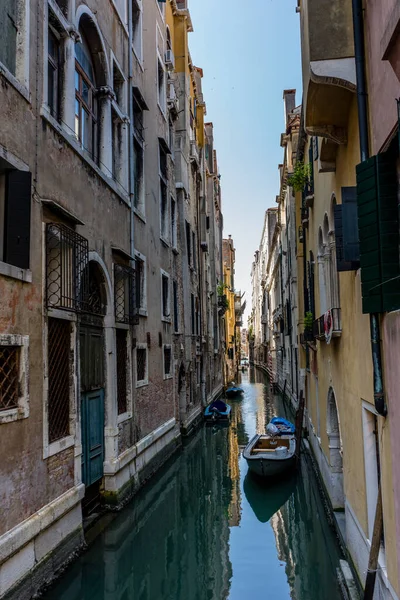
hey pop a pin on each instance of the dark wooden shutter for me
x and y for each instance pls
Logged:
(378, 223)
(346, 232)
(17, 219)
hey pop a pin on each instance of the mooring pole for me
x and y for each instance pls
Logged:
(299, 424)
(374, 552)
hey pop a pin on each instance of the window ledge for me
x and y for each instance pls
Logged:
(175, 250)
(142, 312)
(162, 111)
(139, 214)
(166, 319)
(165, 242)
(138, 59)
(58, 446)
(13, 414)
(167, 377)
(71, 140)
(124, 417)
(20, 87)
(15, 272)
(140, 384)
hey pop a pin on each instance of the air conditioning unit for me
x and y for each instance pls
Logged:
(172, 98)
(169, 60)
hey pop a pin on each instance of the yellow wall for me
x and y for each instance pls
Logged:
(346, 364)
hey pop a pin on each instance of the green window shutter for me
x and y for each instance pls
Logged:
(378, 223)
(346, 232)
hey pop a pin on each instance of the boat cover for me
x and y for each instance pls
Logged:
(219, 405)
(283, 425)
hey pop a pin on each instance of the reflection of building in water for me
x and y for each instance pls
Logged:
(304, 542)
(172, 542)
(234, 472)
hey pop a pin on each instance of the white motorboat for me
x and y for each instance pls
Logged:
(269, 455)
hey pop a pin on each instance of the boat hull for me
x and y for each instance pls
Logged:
(270, 463)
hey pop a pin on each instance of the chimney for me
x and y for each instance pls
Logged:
(289, 102)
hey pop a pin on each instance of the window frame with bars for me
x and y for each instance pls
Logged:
(145, 380)
(141, 284)
(17, 345)
(124, 401)
(167, 348)
(125, 307)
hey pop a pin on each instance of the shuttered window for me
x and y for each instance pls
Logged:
(17, 219)
(346, 231)
(378, 223)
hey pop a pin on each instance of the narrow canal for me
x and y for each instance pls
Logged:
(204, 529)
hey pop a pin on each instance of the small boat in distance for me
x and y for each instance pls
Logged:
(272, 453)
(217, 411)
(233, 390)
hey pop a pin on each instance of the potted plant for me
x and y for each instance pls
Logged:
(223, 303)
(308, 326)
(300, 177)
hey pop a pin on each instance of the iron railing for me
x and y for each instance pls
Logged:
(122, 367)
(67, 257)
(125, 295)
(9, 373)
(319, 328)
(59, 343)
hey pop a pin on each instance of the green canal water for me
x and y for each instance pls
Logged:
(204, 529)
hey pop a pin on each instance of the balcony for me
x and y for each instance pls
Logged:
(319, 325)
(329, 74)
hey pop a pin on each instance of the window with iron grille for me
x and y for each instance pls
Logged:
(9, 377)
(140, 283)
(125, 294)
(164, 221)
(141, 365)
(174, 225)
(122, 368)
(167, 361)
(67, 256)
(58, 356)
(188, 243)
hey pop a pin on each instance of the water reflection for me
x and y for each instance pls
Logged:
(204, 529)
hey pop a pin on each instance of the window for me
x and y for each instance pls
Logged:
(140, 287)
(163, 163)
(14, 47)
(193, 319)
(53, 74)
(138, 127)
(124, 295)
(141, 365)
(165, 304)
(122, 368)
(167, 357)
(194, 249)
(161, 4)
(117, 147)
(14, 396)
(174, 224)
(171, 137)
(137, 27)
(169, 42)
(176, 310)
(163, 211)
(138, 177)
(58, 361)
(119, 85)
(85, 100)
(15, 215)
(188, 243)
(161, 85)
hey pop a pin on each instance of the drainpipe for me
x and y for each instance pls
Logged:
(359, 50)
(130, 130)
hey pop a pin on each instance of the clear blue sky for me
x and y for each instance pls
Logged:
(250, 53)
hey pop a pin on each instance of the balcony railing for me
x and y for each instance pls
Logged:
(319, 324)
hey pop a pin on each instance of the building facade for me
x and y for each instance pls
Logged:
(110, 258)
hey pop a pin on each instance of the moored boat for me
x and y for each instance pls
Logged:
(217, 411)
(233, 391)
(272, 453)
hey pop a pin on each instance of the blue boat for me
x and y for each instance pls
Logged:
(234, 391)
(284, 426)
(217, 411)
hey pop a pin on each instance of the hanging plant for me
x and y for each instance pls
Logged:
(300, 177)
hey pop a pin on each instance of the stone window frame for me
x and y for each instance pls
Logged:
(170, 374)
(22, 410)
(20, 81)
(145, 381)
(164, 318)
(138, 55)
(143, 309)
(52, 448)
(122, 417)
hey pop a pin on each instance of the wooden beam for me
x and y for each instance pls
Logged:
(375, 547)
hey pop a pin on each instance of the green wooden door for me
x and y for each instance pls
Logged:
(92, 403)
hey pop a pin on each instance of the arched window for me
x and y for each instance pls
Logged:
(85, 99)
(323, 307)
(333, 431)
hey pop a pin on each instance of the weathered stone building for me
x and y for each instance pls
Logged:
(104, 357)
